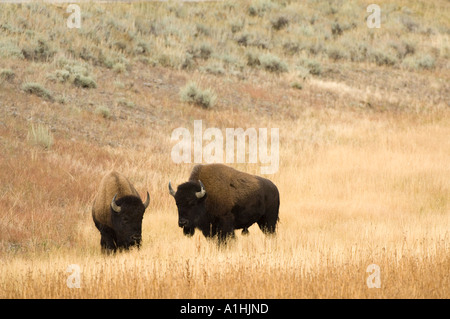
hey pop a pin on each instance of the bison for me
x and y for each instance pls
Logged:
(117, 212)
(218, 199)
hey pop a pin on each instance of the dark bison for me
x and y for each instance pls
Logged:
(117, 212)
(218, 199)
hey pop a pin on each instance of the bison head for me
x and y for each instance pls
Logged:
(190, 199)
(126, 218)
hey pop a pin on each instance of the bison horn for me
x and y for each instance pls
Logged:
(171, 191)
(202, 190)
(147, 201)
(114, 205)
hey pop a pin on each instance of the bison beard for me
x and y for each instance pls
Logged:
(188, 231)
(218, 200)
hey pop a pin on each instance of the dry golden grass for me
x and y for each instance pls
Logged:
(377, 194)
(364, 174)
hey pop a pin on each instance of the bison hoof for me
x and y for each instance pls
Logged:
(245, 231)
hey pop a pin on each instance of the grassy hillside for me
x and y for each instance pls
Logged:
(363, 116)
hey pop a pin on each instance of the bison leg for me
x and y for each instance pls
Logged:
(226, 231)
(108, 237)
(108, 244)
(108, 240)
(224, 236)
(268, 223)
(209, 231)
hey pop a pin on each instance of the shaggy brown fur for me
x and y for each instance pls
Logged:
(227, 189)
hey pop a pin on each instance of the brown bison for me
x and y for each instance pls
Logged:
(117, 212)
(218, 199)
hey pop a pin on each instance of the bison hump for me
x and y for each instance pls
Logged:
(111, 184)
(225, 186)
